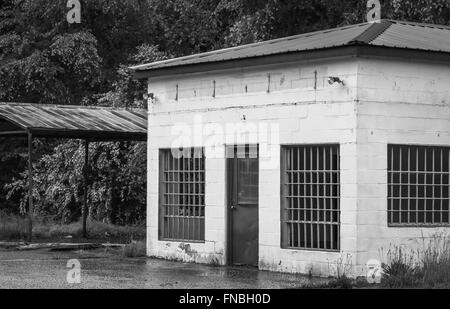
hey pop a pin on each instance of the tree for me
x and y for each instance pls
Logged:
(43, 59)
(117, 171)
(423, 11)
(126, 91)
(269, 19)
(188, 26)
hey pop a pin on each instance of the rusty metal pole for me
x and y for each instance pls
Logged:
(85, 197)
(30, 187)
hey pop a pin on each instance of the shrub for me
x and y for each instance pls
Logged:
(342, 268)
(13, 227)
(429, 267)
(435, 260)
(400, 271)
(342, 282)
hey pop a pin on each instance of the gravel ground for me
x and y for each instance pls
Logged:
(108, 269)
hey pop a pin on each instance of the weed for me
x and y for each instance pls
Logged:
(428, 267)
(135, 249)
(15, 228)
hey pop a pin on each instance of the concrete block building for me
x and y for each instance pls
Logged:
(295, 153)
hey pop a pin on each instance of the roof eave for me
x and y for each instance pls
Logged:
(90, 135)
(308, 55)
(354, 49)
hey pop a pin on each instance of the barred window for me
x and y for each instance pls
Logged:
(418, 185)
(310, 191)
(182, 195)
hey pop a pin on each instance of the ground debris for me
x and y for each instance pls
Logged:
(11, 245)
(56, 246)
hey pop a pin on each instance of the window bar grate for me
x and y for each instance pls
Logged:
(418, 185)
(182, 197)
(311, 210)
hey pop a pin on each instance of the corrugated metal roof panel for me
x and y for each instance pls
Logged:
(387, 33)
(415, 36)
(309, 41)
(60, 119)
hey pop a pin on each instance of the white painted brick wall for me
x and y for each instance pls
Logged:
(399, 103)
(304, 115)
(383, 102)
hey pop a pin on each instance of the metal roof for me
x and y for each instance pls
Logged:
(95, 123)
(386, 33)
(415, 36)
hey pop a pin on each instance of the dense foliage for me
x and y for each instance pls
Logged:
(43, 59)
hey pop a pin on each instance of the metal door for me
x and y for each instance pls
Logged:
(243, 171)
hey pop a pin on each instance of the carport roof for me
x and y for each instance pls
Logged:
(63, 121)
(390, 34)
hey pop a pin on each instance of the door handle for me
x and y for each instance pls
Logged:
(233, 207)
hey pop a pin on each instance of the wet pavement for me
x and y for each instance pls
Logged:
(108, 269)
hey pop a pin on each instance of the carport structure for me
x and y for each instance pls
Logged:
(91, 124)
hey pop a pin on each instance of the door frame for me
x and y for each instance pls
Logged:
(231, 169)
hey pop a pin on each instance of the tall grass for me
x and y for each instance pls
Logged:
(341, 270)
(427, 267)
(435, 260)
(15, 228)
(401, 269)
(135, 249)
(12, 227)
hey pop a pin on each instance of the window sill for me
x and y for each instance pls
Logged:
(184, 241)
(313, 250)
(430, 226)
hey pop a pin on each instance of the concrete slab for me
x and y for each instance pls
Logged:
(108, 269)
